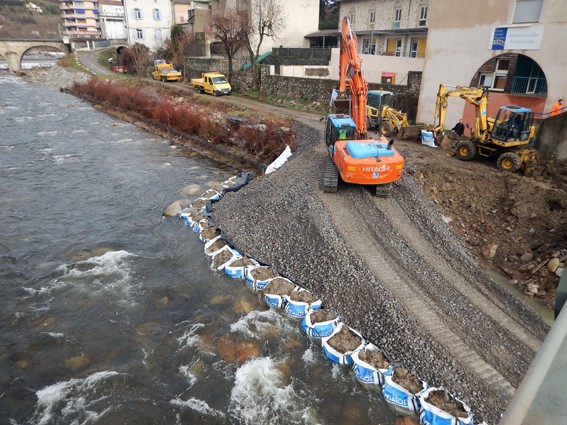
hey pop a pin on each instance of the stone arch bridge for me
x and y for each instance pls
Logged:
(12, 49)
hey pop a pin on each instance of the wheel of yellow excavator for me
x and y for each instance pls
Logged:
(466, 150)
(509, 161)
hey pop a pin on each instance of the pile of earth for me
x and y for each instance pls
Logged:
(513, 223)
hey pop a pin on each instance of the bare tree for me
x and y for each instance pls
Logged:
(267, 19)
(175, 46)
(232, 33)
(137, 58)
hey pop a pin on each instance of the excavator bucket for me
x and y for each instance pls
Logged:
(341, 106)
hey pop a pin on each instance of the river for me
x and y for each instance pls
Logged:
(110, 313)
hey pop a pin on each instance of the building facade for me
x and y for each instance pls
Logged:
(388, 27)
(112, 21)
(511, 46)
(80, 20)
(148, 22)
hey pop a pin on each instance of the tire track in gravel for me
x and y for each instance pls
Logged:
(411, 296)
(489, 306)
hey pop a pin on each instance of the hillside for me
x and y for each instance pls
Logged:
(18, 21)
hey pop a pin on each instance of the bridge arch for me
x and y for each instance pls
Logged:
(12, 50)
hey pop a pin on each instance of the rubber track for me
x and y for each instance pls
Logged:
(331, 176)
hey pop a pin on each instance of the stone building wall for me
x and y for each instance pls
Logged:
(319, 90)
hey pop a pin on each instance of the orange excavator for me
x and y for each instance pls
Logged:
(353, 156)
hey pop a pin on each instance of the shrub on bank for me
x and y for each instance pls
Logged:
(264, 139)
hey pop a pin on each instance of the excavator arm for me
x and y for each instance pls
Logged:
(351, 78)
(474, 96)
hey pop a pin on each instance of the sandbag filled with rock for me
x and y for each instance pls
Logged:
(370, 365)
(192, 217)
(276, 290)
(400, 389)
(223, 257)
(211, 195)
(208, 232)
(340, 346)
(200, 205)
(299, 302)
(258, 277)
(237, 268)
(319, 323)
(214, 246)
(438, 407)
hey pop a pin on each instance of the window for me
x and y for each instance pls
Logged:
(503, 65)
(365, 44)
(156, 14)
(397, 17)
(527, 11)
(413, 48)
(372, 17)
(157, 35)
(496, 80)
(139, 34)
(398, 47)
(351, 17)
(423, 16)
(137, 13)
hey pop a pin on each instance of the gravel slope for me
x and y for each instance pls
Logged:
(393, 270)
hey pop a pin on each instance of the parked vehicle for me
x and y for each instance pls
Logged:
(165, 71)
(212, 83)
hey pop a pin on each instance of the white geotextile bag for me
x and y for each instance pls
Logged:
(433, 415)
(367, 373)
(427, 138)
(234, 256)
(280, 160)
(336, 356)
(208, 247)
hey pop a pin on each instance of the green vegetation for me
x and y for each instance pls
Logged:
(554, 202)
(104, 56)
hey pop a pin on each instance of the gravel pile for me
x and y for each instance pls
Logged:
(56, 76)
(280, 220)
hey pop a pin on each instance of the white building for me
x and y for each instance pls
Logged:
(112, 21)
(511, 46)
(148, 22)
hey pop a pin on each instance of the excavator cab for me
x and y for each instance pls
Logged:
(512, 126)
(339, 127)
(376, 101)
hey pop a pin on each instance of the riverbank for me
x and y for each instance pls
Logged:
(396, 271)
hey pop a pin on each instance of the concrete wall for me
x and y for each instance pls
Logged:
(374, 65)
(458, 46)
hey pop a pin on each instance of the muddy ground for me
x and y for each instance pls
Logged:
(513, 223)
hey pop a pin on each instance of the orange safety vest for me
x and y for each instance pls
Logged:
(555, 109)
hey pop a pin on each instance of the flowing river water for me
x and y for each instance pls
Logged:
(110, 313)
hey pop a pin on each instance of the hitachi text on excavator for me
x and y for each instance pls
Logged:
(353, 157)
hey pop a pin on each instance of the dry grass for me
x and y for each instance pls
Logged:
(265, 139)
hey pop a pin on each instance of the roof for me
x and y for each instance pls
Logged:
(339, 120)
(324, 33)
(337, 33)
(515, 108)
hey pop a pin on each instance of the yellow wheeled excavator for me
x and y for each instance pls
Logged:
(507, 137)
